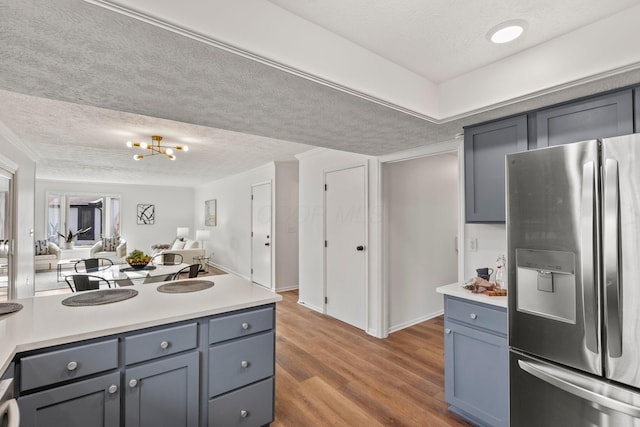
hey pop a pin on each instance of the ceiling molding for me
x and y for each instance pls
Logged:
(13, 139)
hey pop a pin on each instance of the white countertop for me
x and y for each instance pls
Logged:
(456, 290)
(45, 322)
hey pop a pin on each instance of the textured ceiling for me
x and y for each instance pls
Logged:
(441, 39)
(78, 80)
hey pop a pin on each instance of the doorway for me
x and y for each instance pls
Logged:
(6, 235)
(261, 234)
(421, 197)
(345, 216)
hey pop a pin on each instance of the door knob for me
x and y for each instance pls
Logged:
(267, 244)
(360, 248)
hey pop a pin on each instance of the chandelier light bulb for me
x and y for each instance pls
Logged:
(156, 147)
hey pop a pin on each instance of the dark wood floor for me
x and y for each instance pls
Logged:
(331, 374)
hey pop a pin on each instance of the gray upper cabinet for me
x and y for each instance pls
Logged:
(636, 110)
(600, 117)
(485, 148)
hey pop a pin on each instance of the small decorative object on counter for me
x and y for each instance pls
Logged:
(501, 271)
(138, 259)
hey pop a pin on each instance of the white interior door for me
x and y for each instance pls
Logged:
(345, 252)
(261, 234)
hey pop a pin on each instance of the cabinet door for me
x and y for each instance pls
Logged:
(600, 117)
(476, 374)
(94, 402)
(485, 148)
(163, 393)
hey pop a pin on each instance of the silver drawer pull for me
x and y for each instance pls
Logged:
(447, 330)
(244, 414)
(473, 316)
(244, 364)
(164, 345)
(112, 389)
(71, 366)
(133, 382)
(245, 326)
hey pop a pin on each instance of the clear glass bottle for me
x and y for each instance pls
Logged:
(501, 272)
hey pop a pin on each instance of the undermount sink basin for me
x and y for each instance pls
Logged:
(100, 297)
(186, 285)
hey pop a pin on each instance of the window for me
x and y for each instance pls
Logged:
(72, 212)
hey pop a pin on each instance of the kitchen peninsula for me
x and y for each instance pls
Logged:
(476, 355)
(207, 355)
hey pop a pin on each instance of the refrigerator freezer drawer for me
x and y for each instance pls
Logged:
(542, 393)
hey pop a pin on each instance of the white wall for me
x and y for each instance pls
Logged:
(313, 164)
(421, 207)
(23, 187)
(230, 241)
(173, 208)
(286, 226)
(492, 242)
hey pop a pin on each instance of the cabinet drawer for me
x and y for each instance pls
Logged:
(249, 406)
(75, 362)
(237, 363)
(151, 345)
(482, 316)
(239, 325)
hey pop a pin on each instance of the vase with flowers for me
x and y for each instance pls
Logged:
(67, 242)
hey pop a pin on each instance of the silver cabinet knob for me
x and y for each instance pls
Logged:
(447, 330)
(244, 364)
(245, 326)
(112, 389)
(164, 345)
(244, 414)
(473, 316)
(71, 366)
(133, 382)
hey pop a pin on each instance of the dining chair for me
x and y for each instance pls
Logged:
(91, 265)
(167, 258)
(85, 282)
(192, 269)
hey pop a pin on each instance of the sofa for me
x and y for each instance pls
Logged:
(113, 248)
(46, 254)
(189, 249)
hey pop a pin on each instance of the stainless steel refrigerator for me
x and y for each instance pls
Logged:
(573, 237)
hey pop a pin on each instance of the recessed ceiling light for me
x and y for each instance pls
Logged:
(507, 31)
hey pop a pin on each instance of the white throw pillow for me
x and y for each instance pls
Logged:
(191, 244)
(177, 245)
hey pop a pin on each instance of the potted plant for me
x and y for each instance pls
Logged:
(68, 239)
(138, 259)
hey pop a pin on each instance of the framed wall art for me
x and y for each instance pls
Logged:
(210, 212)
(146, 214)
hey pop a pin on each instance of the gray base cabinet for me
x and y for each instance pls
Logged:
(163, 393)
(476, 362)
(93, 402)
(214, 371)
(485, 148)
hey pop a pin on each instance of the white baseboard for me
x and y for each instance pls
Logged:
(404, 325)
(287, 288)
(312, 307)
(227, 270)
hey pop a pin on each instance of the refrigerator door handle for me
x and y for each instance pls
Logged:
(588, 222)
(610, 257)
(585, 388)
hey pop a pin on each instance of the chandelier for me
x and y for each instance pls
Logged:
(156, 148)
